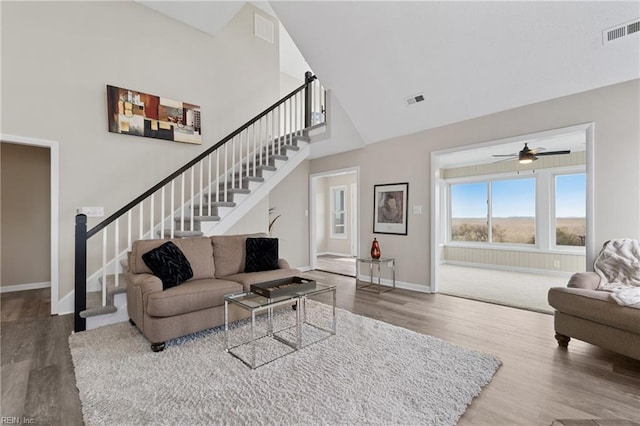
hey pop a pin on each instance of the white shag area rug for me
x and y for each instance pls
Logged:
(370, 372)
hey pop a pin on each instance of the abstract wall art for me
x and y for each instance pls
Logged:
(140, 114)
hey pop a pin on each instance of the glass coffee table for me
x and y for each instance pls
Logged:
(275, 329)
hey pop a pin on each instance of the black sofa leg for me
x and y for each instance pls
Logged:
(563, 341)
(157, 347)
(131, 322)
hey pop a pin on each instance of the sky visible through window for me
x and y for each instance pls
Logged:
(571, 193)
(513, 198)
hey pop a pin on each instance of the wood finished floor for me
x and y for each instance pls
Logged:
(336, 264)
(537, 383)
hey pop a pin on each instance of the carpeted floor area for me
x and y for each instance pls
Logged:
(517, 289)
(370, 372)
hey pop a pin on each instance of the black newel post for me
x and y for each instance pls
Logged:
(80, 323)
(308, 78)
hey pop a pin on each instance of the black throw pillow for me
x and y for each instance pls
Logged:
(261, 254)
(168, 263)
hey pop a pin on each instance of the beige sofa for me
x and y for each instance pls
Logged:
(592, 316)
(197, 304)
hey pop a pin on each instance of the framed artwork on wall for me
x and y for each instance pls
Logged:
(140, 114)
(390, 208)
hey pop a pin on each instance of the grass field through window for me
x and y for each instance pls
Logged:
(517, 230)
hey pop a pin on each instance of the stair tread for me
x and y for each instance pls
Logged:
(279, 157)
(111, 283)
(263, 167)
(198, 218)
(216, 204)
(283, 148)
(236, 179)
(92, 312)
(237, 191)
(302, 137)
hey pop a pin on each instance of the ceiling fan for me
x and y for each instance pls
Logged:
(528, 155)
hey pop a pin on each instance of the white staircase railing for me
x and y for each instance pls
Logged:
(198, 192)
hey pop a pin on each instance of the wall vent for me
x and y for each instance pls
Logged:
(619, 31)
(263, 28)
(414, 99)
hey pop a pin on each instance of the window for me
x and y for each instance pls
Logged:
(513, 211)
(469, 212)
(338, 212)
(544, 211)
(570, 209)
(508, 205)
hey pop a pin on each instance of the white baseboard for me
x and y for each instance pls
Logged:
(23, 287)
(333, 253)
(304, 268)
(421, 288)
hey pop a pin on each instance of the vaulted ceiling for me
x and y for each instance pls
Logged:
(467, 59)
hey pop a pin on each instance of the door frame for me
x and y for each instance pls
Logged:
(313, 180)
(437, 188)
(354, 218)
(54, 156)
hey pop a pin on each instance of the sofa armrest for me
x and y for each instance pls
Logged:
(587, 280)
(283, 264)
(146, 282)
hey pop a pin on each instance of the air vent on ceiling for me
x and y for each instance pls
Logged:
(414, 99)
(263, 28)
(620, 31)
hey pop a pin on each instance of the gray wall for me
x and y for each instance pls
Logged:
(25, 247)
(614, 110)
(58, 57)
(290, 199)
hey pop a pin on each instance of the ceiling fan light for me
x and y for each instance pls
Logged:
(526, 160)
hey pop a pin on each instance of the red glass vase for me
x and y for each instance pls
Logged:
(375, 249)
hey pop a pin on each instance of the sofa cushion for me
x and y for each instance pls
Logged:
(197, 250)
(594, 305)
(191, 296)
(168, 263)
(248, 278)
(229, 253)
(261, 254)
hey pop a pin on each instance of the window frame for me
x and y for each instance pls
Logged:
(333, 212)
(544, 210)
(552, 209)
(489, 180)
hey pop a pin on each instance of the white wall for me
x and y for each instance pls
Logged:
(288, 83)
(614, 110)
(256, 220)
(290, 199)
(58, 57)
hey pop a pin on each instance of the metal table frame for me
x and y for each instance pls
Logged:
(371, 286)
(263, 304)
